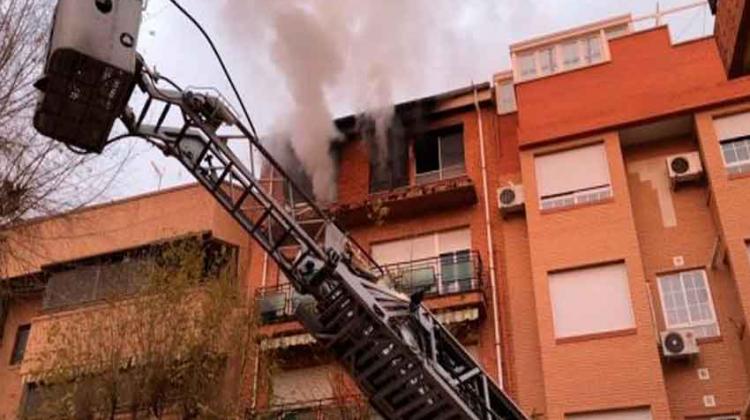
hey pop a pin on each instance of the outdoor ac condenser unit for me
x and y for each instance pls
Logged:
(676, 344)
(90, 70)
(510, 199)
(684, 167)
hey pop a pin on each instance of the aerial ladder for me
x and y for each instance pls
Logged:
(405, 362)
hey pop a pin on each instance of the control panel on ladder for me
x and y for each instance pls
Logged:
(405, 362)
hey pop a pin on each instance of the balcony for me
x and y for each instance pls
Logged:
(342, 408)
(433, 191)
(449, 274)
(455, 272)
(277, 303)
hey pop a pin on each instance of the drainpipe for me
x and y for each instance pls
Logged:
(490, 248)
(263, 281)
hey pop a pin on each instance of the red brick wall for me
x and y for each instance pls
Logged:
(603, 372)
(693, 239)
(647, 77)
(20, 312)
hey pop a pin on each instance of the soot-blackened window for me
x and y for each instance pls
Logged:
(440, 155)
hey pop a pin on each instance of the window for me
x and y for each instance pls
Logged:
(734, 137)
(572, 177)
(439, 262)
(627, 414)
(527, 64)
(592, 49)
(91, 283)
(564, 55)
(686, 303)
(547, 61)
(440, 155)
(507, 96)
(591, 300)
(571, 54)
(19, 346)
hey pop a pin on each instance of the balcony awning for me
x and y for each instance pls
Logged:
(294, 340)
(456, 317)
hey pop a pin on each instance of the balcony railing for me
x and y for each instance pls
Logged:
(452, 272)
(348, 408)
(277, 303)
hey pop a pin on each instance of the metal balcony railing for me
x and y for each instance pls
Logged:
(277, 303)
(451, 272)
(346, 408)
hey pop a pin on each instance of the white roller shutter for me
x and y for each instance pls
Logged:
(423, 246)
(302, 385)
(454, 240)
(571, 170)
(591, 300)
(733, 126)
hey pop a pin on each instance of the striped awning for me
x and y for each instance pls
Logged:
(304, 339)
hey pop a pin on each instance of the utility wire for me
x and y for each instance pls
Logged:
(221, 62)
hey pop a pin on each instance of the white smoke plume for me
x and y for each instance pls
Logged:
(351, 56)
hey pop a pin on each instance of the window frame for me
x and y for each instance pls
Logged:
(690, 324)
(506, 96)
(442, 171)
(437, 253)
(556, 325)
(522, 71)
(579, 196)
(742, 166)
(17, 355)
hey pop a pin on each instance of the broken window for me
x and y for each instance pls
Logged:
(440, 155)
(389, 168)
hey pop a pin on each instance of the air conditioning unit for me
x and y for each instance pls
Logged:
(684, 167)
(510, 199)
(678, 344)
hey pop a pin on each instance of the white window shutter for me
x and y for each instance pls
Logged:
(732, 126)
(591, 300)
(572, 170)
(301, 385)
(454, 240)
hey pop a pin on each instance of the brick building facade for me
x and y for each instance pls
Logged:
(623, 160)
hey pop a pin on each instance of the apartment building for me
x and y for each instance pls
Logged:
(580, 224)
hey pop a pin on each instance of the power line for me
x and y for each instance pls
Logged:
(221, 62)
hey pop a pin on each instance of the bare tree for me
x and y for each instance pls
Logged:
(38, 176)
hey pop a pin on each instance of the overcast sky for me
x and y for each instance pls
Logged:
(443, 45)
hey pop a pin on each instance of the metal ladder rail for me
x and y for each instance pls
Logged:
(224, 175)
